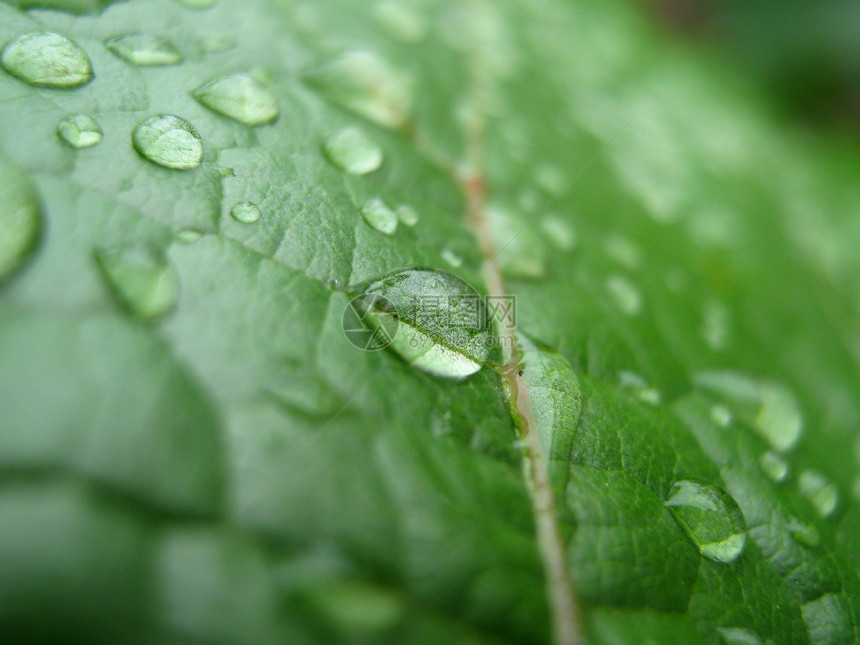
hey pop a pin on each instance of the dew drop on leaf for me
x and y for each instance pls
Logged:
(144, 49)
(451, 257)
(246, 212)
(80, 131)
(47, 59)
(443, 326)
(407, 215)
(820, 491)
(558, 232)
(240, 97)
(773, 466)
(379, 216)
(20, 218)
(143, 281)
(188, 236)
(169, 141)
(710, 517)
(351, 150)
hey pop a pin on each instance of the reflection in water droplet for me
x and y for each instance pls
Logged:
(188, 236)
(46, 59)
(246, 212)
(169, 141)
(240, 97)
(80, 131)
(20, 218)
(624, 294)
(821, 492)
(143, 280)
(738, 636)
(443, 326)
(710, 517)
(402, 22)
(367, 85)
(773, 466)
(377, 214)
(768, 407)
(144, 49)
(407, 215)
(350, 149)
(558, 232)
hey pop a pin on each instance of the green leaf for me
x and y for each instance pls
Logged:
(192, 450)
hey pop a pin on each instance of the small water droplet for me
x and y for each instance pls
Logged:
(169, 141)
(558, 232)
(821, 492)
(377, 214)
(367, 85)
(633, 381)
(721, 415)
(451, 257)
(738, 636)
(216, 44)
(803, 533)
(773, 466)
(710, 517)
(350, 149)
(188, 235)
(246, 212)
(240, 97)
(407, 215)
(402, 22)
(715, 325)
(768, 407)
(443, 327)
(624, 294)
(623, 250)
(20, 218)
(142, 279)
(80, 131)
(144, 49)
(47, 59)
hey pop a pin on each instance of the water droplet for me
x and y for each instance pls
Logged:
(822, 493)
(768, 407)
(80, 131)
(710, 517)
(721, 415)
(188, 235)
(142, 279)
(246, 212)
(624, 294)
(633, 381)
(350, 149)
(20, 218)
(773, 466)
(715, 325)
(407, 215)
(46, 59)
(216, 44)
(450, 256)
(623, 250)
(367, 85)
(402, 22)
(828, 620)
(240, 97)
(377, 214)
(169, 141)
(803, 533)
(144, 49)
(558, 232)
(738, 636)
(443, 326)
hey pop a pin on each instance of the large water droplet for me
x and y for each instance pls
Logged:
(80, 131)
(246, 212)
(820, 491)
(240, 97)
(46, 59)
(768, 407)
(773, 466)
(142, 279)
(402, 22)
(169, 141)
(407, 215)
(710, 517)
(20, 218)
(144, 49)
(738, 636)
(624, 294)
(443, 325)
(367, 85)
(377, 214)
(350, 149)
